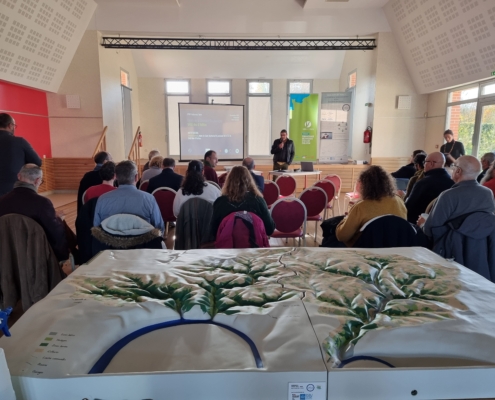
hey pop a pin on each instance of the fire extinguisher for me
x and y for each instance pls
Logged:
(367, 135)
(140, 139)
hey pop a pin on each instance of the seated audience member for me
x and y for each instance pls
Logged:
(419, 164)
(151, 154)
(407, 171)
(436, 180)
(248, 162)
(461, 221)
(194, 185)
(128, 199)
(14, 153)
(107, 175)
(92, 178)
(241, 194)
(167, 178)
(486, 162)
(25, 200)
(377, 190)
(155, 168)
(210, 162)
(453, 149)
(489, 179)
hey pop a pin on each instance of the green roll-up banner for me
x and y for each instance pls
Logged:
(303, 126)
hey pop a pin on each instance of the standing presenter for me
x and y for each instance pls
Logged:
(283, 152)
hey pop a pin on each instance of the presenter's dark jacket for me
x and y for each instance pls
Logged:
(424, 191)
(285, 154)
(455, 149)
(251, 203)
(405, 172)
(259, 180)
(14, 153)
(91, 178)
(167, 178)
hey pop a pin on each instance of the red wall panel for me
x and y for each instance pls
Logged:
(30, 111)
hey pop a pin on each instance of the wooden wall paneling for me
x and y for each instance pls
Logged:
(390, 164)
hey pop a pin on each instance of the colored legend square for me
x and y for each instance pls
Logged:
(48, 339)
(39, 350)
(43, 344)
(52, 333)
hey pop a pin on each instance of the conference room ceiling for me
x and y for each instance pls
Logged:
(240, 19)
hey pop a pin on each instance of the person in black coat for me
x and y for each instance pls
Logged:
(167, 178)
(453, 149)
(248, 162)
(407, 171)
(283, 151)
(15, 152)
(92, 178)
(435, 181)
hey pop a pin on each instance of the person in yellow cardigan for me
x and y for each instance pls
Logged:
(377, 189)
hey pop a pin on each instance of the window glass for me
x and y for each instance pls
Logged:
(177, 87)
(488, 89)
(464, 94)
(299, 87)
(124, 79)
(487, 134)
(352, 80)
(461, 120)
(259, 87)
(218, 87)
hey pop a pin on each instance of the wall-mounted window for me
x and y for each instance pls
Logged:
(219, 91)
(259, 117)
(124, 78)
(177, 91)
(471, 117)
(300, 86)
(352, 80)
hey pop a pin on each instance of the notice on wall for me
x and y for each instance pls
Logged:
(334, 127)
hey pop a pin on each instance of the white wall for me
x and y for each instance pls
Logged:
(75, 132)
(111, 62)
(364, 62)
(435, 123)
(396, 133)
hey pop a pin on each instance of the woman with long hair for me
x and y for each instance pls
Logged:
(194, 185)
(377, 189)
(240, 193)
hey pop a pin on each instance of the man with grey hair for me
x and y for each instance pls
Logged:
(151, 154)
(462, 224)
(248, 162)
(486, 161)
(25, 200)
(14, 153)
(128, 199)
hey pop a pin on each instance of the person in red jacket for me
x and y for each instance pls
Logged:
(210, 161)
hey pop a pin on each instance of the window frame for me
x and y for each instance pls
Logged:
(167, 111)
(289, 81)
(208, 94)
(270, 95)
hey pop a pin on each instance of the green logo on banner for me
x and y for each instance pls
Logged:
(493, 73)
(303, 126)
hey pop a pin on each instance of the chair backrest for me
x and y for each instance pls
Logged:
(144, 185)
(193, 227)
(84, 197)
(401, 183)
(289, 214)
(165, 197)
(271, 192)
(328, 187)
(315, 199)
(387, 231)
(241, 230)
(28, 266)
(337, 182)
(214, 184)
(287, 185)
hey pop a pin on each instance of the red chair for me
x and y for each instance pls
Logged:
(271, 193)
(351, 198)
(165, 197)
(289, 215)
(337, 182)
(315, 199)
(287, 185)
(214, 184)
(144, 185)
(329, 189)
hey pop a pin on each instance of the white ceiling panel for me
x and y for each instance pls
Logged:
(354, 4)
(238, 64)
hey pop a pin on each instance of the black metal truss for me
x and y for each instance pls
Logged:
(237, 44)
